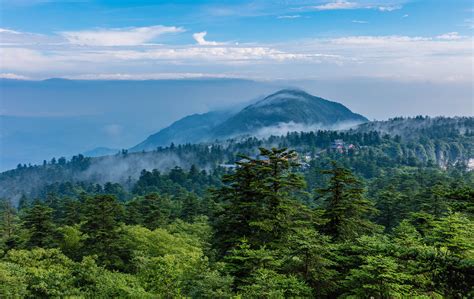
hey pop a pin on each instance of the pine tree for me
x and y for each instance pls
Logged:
(392, 206)
(254, 199)
(346, 209)
(38, 220)
(101, 226)
(8, 224)
(378, 277)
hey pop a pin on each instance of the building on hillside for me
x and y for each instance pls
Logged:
(341, 147)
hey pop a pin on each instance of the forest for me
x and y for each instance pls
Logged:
(342, 225)
(369, 151)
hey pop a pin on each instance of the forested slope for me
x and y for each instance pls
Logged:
(368, 153)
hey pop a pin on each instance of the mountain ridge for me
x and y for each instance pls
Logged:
(277, 110)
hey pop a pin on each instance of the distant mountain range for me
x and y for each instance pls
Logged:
(284, 111)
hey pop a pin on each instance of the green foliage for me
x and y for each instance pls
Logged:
(378, 277)
(255, 199)
(38, 221)
(346, 209)
(102, 231)
(259, 234)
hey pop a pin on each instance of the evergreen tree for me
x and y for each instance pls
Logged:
(255, 199)
(102, 230)
(378, 277)
(346, 209)
(8, 224)
(38, 220)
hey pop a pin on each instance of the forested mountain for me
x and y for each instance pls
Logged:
(368, 153)
(416, 127)
(281, 112)
(190, 129)
(286, 107)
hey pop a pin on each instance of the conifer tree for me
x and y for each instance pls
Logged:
(38, 220)
(101, 228)
(254, 198)
(346, 209)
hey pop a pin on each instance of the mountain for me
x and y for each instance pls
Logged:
(58, 117)
(190, 129)
(281, 112)
(288, 108)
(100, 151)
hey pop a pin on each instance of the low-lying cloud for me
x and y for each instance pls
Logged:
(283, 128)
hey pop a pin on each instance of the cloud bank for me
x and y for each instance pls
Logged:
(118, 36)
(128, 53)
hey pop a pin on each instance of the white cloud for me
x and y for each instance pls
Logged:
(118, 36)
(405, 16)
(13, 76)
(336, 5)
(199, 38)
(359, 22)
(450, 36)
(289, 17)
(11, 38)
(389, 8)
(221, 54)
(344, 5)
(3, 30)
(149, 76)
(27, 60)
(425, 58)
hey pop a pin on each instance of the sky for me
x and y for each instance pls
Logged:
(424, 40)
(380, 58)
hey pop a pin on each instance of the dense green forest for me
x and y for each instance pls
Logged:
(266, 228)
(354, 214)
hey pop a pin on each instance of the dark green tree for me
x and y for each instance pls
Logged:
(346, 210)
(255, 198)
(102, 230)
(38, 221)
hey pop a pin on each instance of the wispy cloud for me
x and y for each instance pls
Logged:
(13, 76)
(335, 5)
(345, 5)
(289, 17)
(118, 36)
(389, 8)
(4, 30)
(199, 37)
(359, 22)
(450, 36)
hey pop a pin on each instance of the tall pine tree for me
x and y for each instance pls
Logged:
(346, 210)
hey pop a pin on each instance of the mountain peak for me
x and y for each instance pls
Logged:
(284, 95)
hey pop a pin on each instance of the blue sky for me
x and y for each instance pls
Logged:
(400, 39)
